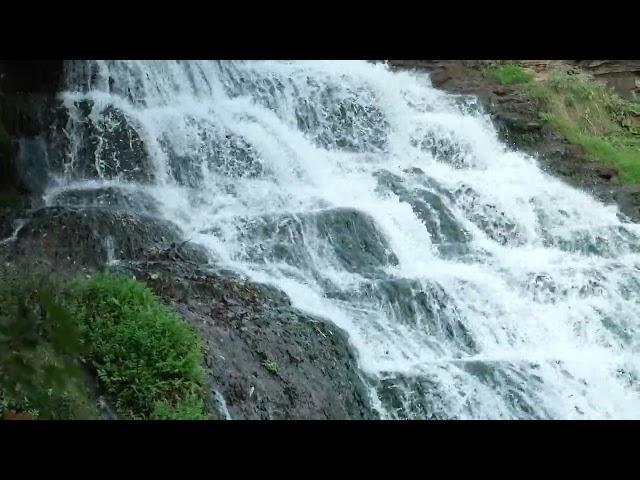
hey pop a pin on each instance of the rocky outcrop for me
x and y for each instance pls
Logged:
(94, 236)
(622, 75)
(264, 358)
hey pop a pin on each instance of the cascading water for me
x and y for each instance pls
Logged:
(471, 284)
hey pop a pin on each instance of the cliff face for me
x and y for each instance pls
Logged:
(622, 75)
(27, 93)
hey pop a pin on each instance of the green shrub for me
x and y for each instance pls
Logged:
(39, 350)
(147, 359)
(509, 73)
(144, 355)
(190, 408)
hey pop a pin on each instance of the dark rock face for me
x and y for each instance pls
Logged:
(627, 197)
(428, 206)
(109, 146)
(621, 75)
(114, 198)
(27, 100)
(95, 236)
(349, 236)
(267, 359)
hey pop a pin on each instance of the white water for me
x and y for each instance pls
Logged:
(562, 346)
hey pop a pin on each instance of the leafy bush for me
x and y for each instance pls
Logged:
(190, 408)
(509, 73)
(147, 359)
(39, 350)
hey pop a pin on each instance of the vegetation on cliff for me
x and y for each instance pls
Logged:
(586, 112)
(507, 73)
(146, 358)
(592, 115)
(56, 337)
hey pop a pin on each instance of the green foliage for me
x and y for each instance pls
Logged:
(508, 73)
(39, 347)
(592, 115)
(145, 357)
(189, 408)
(142, 352)
(593, 107)
(271, 366)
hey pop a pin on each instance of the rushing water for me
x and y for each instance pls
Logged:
(471, 284)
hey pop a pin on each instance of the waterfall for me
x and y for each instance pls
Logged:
(471, 284)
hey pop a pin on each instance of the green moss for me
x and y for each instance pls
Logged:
(592, 115)
(508, 73)
(142, 352)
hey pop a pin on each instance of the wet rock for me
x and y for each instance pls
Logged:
(110, 147)
(353, 126)
(424, 306)
(489, 218)
(628, 199)
(114, 198)
(215, 149)
(605, 241)
(413, 398)
(244, 327)
(96, 236)
(347, 236)
(430, 208)
(414, 171)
